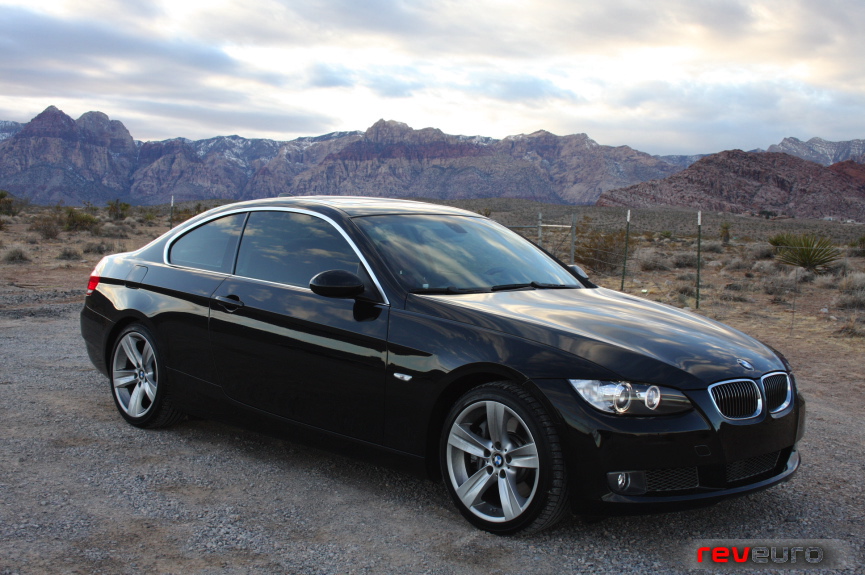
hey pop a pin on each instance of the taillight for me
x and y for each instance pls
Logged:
(91, 285)
(95, 275)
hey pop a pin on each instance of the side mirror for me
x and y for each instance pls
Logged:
(579, 271)
(582, 275)
(337, 284)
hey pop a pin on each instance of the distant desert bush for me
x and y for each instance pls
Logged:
(46, 226)
(16, 256)
(600, 251)
(737, 264)
(99, 248)
(77, 220)
(651, 260)
(69, 254)
(713, 247)
(685, 260)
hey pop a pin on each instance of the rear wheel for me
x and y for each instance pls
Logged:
(137, 380)
(502, 460)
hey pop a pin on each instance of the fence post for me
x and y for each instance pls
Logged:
(699, 260)
(540, 230)
(573, 235)
(171, 216)
(627, 241)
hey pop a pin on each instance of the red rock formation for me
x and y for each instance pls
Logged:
(736, 181)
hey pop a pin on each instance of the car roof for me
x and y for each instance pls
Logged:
(355, 206)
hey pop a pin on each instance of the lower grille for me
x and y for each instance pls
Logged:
(675, 479)
(738, 399)
(751, 467)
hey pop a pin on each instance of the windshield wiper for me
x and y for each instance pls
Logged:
(446, 290)
(504, 287)
(536, 285)
(540, 285)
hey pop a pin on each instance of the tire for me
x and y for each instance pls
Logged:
(138, 382)
(504, 478)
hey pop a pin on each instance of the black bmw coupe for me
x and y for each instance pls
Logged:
(438, 339)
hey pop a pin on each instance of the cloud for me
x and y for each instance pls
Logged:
(670, 74)
(330, 76)
(520, 89)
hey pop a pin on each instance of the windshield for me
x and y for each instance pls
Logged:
(452, 254)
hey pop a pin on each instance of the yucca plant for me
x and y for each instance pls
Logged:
(808, 251)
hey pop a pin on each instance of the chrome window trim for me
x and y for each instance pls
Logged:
(330, 221)
(789, 398)
(756, 413)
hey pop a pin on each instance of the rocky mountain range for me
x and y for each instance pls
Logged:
(821, 151)
(54, 158)
(737, 181)
(94, 159)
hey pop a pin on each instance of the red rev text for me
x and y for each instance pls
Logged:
(760, 554)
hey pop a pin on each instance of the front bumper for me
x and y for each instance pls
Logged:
(672, 462)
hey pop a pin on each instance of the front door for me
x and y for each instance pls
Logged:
(282, 349)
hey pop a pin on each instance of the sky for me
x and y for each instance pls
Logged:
(661, 76)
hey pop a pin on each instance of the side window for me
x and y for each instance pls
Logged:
(209, 247)
(291, 248)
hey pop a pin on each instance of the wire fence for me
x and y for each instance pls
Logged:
(693, 271)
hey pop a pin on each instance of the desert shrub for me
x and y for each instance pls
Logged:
(77, 220)
(858, 247)
(10, 205)
(809, 251)
(735, 287)
(852, 328)
(760, 252)
(100, 248)
(650, 260)
(800, 276)
(46, 226)
(852, 283)
(685, 260)
(686, 290)
(118, 210)
(765, 267)
(725, 233)
(69, 254)
(111, 230)
(599, 251)
(666, 234)
(826, 282)
(712, 247)
(16, 256)
(736, 264)
(851, 300)
(776, 285)
(733, 297)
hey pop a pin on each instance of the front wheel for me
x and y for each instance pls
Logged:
(502, 460)
(138, 380)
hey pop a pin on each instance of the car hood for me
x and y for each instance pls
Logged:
(637, 339)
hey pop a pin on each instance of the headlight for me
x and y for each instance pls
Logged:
(621, 397)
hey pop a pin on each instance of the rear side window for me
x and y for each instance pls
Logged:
(290, 248)
(209, 247)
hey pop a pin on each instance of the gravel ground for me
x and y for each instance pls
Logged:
(81, 491)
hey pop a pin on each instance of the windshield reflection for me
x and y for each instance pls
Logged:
(451, 254)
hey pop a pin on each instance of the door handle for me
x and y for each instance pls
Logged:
(230, 303)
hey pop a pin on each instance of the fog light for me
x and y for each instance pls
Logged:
(653, 397)
(627, 482)
(622, 400)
